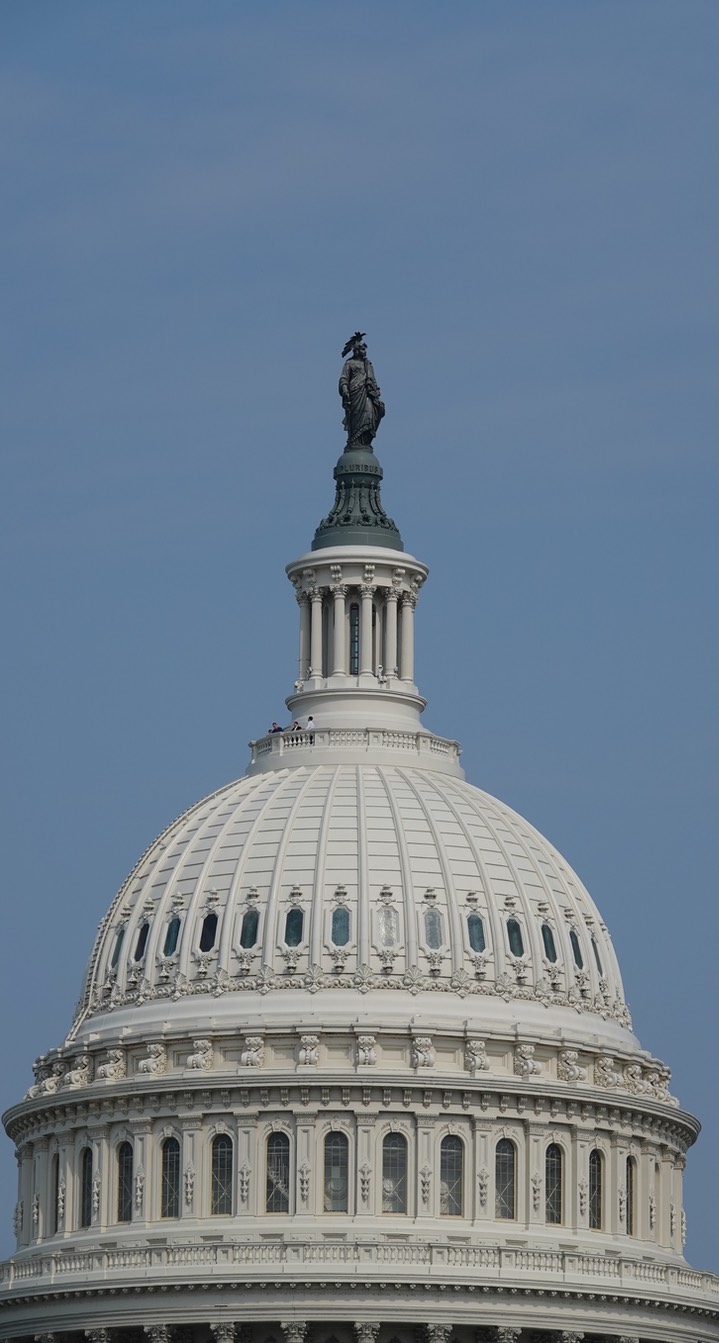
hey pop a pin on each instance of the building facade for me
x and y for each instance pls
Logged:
(352, 1061)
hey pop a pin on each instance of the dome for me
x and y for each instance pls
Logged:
(352, 1048)
(356, 879)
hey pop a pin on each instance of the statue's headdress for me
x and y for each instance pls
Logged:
(353, 341)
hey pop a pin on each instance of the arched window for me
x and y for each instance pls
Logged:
(631, 1171)
(248, 932)
(576, 950)
(170, 1195)
(595, 1190)
(171, 936)
(475, 932)
(141, 942)
(451, 1155)
(595, 949)
(394, 1173)
(657, 1202)
(117, 948)
(54, 1192)
(221, 1190)
(340, 926)
(514, 933)
(337, 1156)
(278, 1173)
(209, 932)
(86, 1186)
(505, 1180)
(550, 950)
(354, 638)
(553, 1184)
(293, 927)
(433, 928)
(124, 1182)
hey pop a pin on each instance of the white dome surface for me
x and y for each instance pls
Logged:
(414, 855)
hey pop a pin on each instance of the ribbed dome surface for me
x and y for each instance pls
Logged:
(362, 876)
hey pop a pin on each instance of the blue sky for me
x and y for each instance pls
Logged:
(517, 201)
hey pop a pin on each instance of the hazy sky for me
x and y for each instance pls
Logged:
(518, 203)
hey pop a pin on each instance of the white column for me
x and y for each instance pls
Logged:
(303, 659)
(365, 658)
(316, 632)
(409, 601)
(390, 649)
(339, 666)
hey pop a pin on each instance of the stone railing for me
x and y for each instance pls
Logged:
(276, 746)
(408, 1259)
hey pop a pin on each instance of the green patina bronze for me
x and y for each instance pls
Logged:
(357, 515)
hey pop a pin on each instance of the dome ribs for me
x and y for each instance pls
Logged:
(414, 780)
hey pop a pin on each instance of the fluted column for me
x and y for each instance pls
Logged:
(316, 632)
(303, 654)
(365, 652)
(390, 645)
(339, 593)
(406, 669)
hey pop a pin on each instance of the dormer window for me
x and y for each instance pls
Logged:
(171, 936)
(340, 926)
(209, 932)
(293, 927)
(550, 950)
(514, 934)
(141, 942)
(433, 928)
(595, 949)
(117, 949)
(576, 950)
(475, 932)
(248, 932)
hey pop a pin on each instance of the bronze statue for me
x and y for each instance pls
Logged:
(361, 398)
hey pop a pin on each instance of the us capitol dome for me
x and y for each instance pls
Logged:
(352, 1061)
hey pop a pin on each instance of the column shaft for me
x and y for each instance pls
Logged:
(303, 660)
(316, 633)
(407, 653)
(366, 593)
(390, 648)
(339, 668)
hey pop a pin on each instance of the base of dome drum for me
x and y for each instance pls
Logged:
(584, 1302)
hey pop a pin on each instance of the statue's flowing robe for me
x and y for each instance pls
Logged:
(362, 401)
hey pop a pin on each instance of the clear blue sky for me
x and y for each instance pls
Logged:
(517, 201)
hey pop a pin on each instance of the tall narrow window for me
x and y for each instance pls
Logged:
(553, 1184)
(221, 1191)
(354, 638)
(388, 926)
(336, 1172)
(141, 942)
(451, 1155)
(595, 949)
(475, 932)
(505, 1180)
(340, 926)
(54, 1193)
(657, 1202)
(394, 1173)
(576, 950)
(595, 1190)
(293, 927)
(124, 1182)
(209, 932)
(117, 948)
(550, 950)
(248, 932)
(278, 1173)
(171, 936)
(630, 1195)
(170, 1193)
(433, 928)
(514, 933)
(86, 1186)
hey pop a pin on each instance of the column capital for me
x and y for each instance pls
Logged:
(223, 1332)
(97, 1335)
(368, 589)
(339, 590)
(295, 1331)
(157, 1333)
(366, 1332)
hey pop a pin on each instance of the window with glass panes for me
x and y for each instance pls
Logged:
(278, 1173)
(124, 1182)
(505, 1180)
(394, 1173)
(595, 1190)
(86, 1186)
(630, 1195)
(221, 1183)
(336, 1172)
(553, 1184)
(450, 1177)
(170, 1196)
